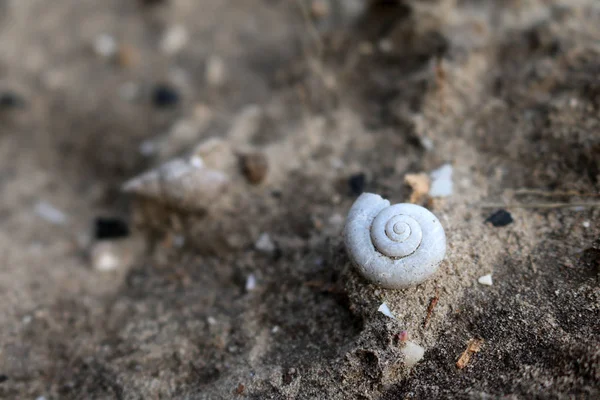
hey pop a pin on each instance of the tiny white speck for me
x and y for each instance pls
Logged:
(275, 329)
(486, 280)
(265, 244)
(250, 283)
(586, 224)
(211, 320)
(197, 161)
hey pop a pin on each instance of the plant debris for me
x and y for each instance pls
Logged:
(473, 347)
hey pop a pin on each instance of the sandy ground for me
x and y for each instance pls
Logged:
(338, 97)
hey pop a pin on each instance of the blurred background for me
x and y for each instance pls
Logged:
(175, 176)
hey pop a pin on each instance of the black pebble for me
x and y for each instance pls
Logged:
(500, 218)
(165, 96)
(357, 183)
(110, 228)
(3, 378)
(11, 100)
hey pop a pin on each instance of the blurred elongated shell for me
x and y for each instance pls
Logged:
(181, 184)
(394, 246)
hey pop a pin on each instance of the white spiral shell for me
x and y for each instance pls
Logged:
(394, 246)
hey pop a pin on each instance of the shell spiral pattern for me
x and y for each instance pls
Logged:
(395, 246)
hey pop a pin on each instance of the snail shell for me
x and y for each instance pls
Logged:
(394, 246)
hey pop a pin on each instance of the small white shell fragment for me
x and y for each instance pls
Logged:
(181, 184)
(50, 213)
(265, 244)
(486, 280)
(174, 39)
(441, 181)
(105, 45)
(413, 353)
(385, 310)
(394, 246)
(250, 283)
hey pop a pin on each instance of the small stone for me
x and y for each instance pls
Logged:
(174, 39)
(254, 166)
(586, 224)
(110, 228)
(106, 257)
(486, 280)
(413, 353)
(403, 336)
(357, 183)
(250, 283)
(441, 181)
(265, 244)
(500, 218)
(215, 71)
(385, 310)
(211, 320)
(165, 96)
(50, 213)
(105, 45)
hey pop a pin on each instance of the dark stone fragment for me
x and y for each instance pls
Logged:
(500, 218)
(165, 96)
(3, 378)
(110, 228)
(357, 183)
(11, 100)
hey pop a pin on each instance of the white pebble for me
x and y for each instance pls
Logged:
(441, 181)
(413, 353)
(486, 280)
(211, 320)
(586, 224)
(385, 310)
(105, 257)
(105, 45)
(215, 71)
(50, 213)
(250, 283)
(265, 244)
(174, 39)
(275, 329)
